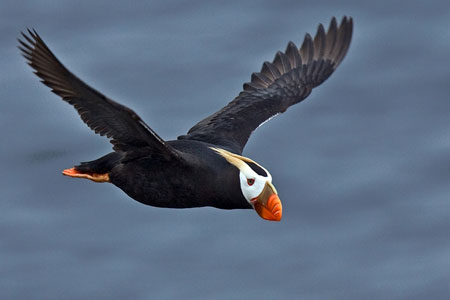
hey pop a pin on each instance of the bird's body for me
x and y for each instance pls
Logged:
(202, 175)
(205, 166)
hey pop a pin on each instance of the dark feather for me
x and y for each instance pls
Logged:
(307, 50)
(106, 117)
(294, 55)
(286, 81)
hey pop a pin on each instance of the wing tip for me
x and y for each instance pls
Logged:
(331, 45)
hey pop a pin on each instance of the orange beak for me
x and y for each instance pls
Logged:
(267, 204)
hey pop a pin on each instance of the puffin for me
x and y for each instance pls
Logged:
(205, 166)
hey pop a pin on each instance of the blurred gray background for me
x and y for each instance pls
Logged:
(362, 166)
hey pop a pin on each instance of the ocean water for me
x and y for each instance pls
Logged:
(362, 166)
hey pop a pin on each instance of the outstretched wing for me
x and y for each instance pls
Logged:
(123, 126)
(286, 81)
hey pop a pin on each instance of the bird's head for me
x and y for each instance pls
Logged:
(256, 185)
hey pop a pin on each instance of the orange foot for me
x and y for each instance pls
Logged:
(91, 176)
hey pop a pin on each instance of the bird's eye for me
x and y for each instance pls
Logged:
(250, 181)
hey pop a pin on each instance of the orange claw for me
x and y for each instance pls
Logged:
(72, 172)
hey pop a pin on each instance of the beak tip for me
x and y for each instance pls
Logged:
(277, 216)
(273, 211)
(275, 207)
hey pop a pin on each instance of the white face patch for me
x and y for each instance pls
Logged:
(252, 184)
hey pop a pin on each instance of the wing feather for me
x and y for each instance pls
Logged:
(286, 81)
(104, 116)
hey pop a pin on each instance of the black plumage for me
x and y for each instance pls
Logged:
(186, 172)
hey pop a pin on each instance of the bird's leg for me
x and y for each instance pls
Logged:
(72, 172)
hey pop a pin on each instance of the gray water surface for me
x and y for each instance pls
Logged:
(362, 166)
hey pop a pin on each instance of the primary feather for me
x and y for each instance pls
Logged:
(285, 81)
(104, 116)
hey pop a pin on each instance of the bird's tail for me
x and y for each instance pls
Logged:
(96, 170)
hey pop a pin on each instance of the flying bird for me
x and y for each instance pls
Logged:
(204, 167)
